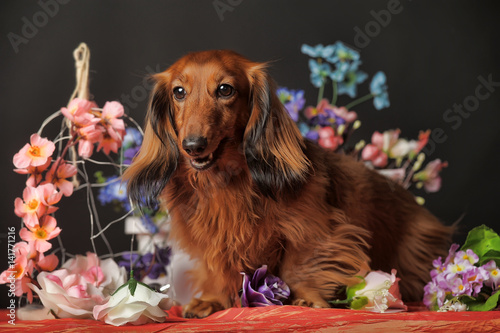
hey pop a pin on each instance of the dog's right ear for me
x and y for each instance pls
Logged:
(157, 158)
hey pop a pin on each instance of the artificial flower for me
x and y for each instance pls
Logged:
(319, 72)
(293, 100)
(79, 112)
(82, 283)
(466, 276)
(115, 190)
(110, 118)
(35, 153)
(379, 292)
(108, 144)
(31, 207)
(263, 289)
(318, 51)
(350, 80)
(378, 88)
(133, 137)
(132, 303)
(344, 59)
(39, 235)
(149, 264)
(35, 173)
(88, 136)
(328, 139)
(430, 177)
(58, 177)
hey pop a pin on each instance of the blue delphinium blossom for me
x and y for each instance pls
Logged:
(293, 100)
(319, 71)
(351, 80)
(378, 88)
(318, 51)
(263, 289)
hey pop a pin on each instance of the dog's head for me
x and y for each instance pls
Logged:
(212, 107)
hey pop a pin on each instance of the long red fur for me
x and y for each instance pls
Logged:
(314, 217)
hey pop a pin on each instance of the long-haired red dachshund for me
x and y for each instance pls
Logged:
(244, 189)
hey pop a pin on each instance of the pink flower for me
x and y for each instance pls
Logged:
(31, 206)
(82, 283)
(58, 178)
(34, 153)
(494, 275)
(47, 263)
(114, 126)
(40, 235)
(430, 175)
(88, 136)
(109, 144)
(35, 173)
(327, 138)
(79, 112)
(397, 175)
(342, 112)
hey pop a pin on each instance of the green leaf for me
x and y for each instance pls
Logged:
(481, 305)
(132, 285)
(359, 302)
(350, 291)
(485, 243)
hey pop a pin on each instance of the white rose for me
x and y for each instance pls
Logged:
(133, 303)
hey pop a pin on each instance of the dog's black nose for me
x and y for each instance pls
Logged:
(194, 145)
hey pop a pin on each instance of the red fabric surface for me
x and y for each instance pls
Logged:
(283, 319)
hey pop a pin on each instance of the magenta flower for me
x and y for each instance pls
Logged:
(263, 289)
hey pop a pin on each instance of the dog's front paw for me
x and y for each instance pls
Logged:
(318, 303)
(198, 308)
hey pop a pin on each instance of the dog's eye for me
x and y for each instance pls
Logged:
(179, 93)
(225, 90)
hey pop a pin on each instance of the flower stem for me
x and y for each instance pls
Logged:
(321, 90)
(359, 101)
(335, 93)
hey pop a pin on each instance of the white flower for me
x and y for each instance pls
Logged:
(381, 293)
(453, 306)
(134, 303)
(80, 284)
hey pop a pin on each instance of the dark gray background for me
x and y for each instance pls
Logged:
(432, 52)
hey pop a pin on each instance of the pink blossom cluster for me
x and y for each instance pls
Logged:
(388, 147)
(48, 181)
(459, 275)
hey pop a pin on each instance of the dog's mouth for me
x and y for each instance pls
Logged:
(203, 163)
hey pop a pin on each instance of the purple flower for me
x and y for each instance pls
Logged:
(151, 265)
(293, 100)
(129, 154)
(263, 289)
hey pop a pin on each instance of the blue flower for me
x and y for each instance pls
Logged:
(132, 138)
(115, 190)
(149, 224)
(344, 59)
(319, 71)
(351, 80)
(318, 51)
(378, 88)
(152, 265)
(293, 100)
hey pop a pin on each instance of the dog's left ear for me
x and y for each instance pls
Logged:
(273, 145)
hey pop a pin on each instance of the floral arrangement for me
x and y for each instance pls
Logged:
(468, 279)
(84, 286)
(331, 126)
